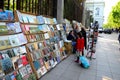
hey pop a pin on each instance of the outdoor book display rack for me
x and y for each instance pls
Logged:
(30, 46)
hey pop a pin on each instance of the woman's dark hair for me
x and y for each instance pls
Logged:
(70, 32)
(80, 34)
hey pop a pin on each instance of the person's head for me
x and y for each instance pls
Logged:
(83, 28)
(71, 32)
(79, 35)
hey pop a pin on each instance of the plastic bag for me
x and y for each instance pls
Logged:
(84, 62)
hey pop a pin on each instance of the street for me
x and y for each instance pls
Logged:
(106, 66)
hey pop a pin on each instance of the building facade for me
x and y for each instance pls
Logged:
(96, 10)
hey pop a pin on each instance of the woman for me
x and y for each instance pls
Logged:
(83, 31)
(71, 36)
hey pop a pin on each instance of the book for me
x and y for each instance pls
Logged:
(24, 60)
(36, 65)
(41, 61)
(47, 65)
(23, 71)
(55, 21)
(25, 19)
(14, 41)
(3, 29)
(20, 17)
(38, 73)
(29, 69)
(40, 19)
(46, 35)
(21, 38)
(43, 70)
(19, 50)
(17, 27)
(58, 27)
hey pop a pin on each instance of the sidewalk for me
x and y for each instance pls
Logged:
(106, 66)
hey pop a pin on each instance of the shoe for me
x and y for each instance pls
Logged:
(77, 61)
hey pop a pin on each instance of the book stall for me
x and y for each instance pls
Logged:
(30, 45)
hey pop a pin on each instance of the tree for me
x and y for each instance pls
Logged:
(114, 17)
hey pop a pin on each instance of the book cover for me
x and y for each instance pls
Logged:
(19, 50)
(47, 65)
(55, 21)
(20, 17)
(25, 19)
(3, 29)
(43, 70)
(40, 45)
(46, 35)
(29, 69)
(24, 60)
(36, 65)
(21, 38)
(38, 73)
(41, 61)
(14, 41)
(11, 27)
(10, 53)
(58, 27)
(2, 44)
(17, 27)
(23, 71)
(7, 43)
(40, 19)
(35, 46)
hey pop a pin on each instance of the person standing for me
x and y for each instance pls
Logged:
(79, 45)
(83, 31)
(71, 36)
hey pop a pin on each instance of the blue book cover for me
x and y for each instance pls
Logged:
(36, 64)
(40, 20)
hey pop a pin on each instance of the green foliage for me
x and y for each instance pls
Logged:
(114, 17)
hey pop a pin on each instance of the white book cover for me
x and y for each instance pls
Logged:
(43, 70)
(46, 35)
(14, 41)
